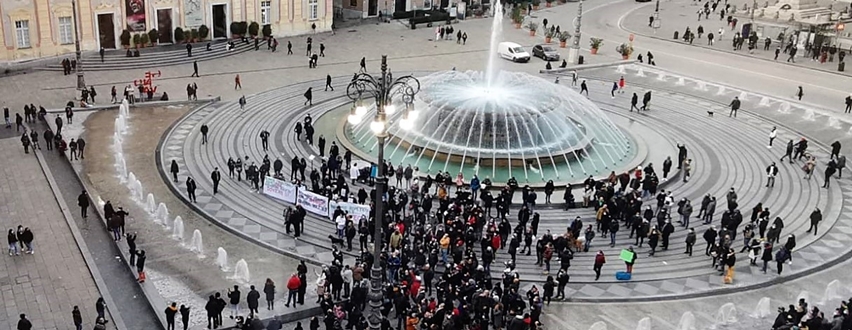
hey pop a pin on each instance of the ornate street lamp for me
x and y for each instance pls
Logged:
(81, 81)
(656, 23)
(574, 51)
(383, 89)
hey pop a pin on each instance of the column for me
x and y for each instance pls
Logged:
(236, 11)
(251, 16)
(86, 23)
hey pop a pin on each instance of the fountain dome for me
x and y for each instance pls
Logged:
(516, 125)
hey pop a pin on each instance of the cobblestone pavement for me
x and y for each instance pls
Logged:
(47, 284)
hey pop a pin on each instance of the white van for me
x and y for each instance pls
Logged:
(513, 52)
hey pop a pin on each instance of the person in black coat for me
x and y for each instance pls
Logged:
(252, 300)
(184, 316)
(171, 311)
(216, 177)
(83, 203)
(174, 170)
(140, 263)
(212, 308)
(190, 188)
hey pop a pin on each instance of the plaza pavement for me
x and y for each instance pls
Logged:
(45, 285)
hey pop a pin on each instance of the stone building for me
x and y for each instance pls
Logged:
(42, 28)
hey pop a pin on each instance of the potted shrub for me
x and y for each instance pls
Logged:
(235, 30)
(243, 28)
(517, 17)
(143, 39)
(179, 37)
(266, 31)
(193, 35)
(535, 4)
(203, 32)
(548, 3)
(136, 40)
(533, 26)
(478, 12)
(563, 38)
(548, 35)
(253, 29)
(153, 36)
(125, 39)
(625, 50)
(595, 44)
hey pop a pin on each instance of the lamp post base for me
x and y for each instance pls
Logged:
(573, 55)
(81, 81)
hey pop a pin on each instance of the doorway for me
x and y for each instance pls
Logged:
(106, 31)
(220, 21)
(164, 25)
(373, 8)
(399, 6)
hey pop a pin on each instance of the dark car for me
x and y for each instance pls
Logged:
(545, 52)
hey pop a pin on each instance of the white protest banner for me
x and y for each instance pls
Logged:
(314, 203)
(355, 210)
(279, 189)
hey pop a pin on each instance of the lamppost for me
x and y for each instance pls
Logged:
(81, 81)
(383, 89)
(574, 51)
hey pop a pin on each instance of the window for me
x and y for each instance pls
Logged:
(353, 3)
(22, 32)
(313, 9)
(266, 12)
(65, 34)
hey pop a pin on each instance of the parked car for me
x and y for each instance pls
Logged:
(513, 52)
(545, 52)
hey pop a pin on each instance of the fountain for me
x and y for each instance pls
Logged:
(687, 322)
(620, 69)
(120, 125)
(150, 204)
(832, 291)
(122, 167)
(640, 73)
(764, 102)
(599, 325)
(139, 190)
(784, 108)
(727, 314)
(196, 245)
(162, 214)
(661, 76)
(222, 259)
(743, 96)
(763, 309)
(241, 272)
(721, 90)
(810, 115)
(700, 85)
(117, 139)
(496, 32)
(123, 109)
(177, 231)
(834, 123)
(849, 132)
(644, 324)
(680, 81)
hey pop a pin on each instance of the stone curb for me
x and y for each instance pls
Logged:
(113, 106)
(586, 67)
(652, 36)
(150, 292)
(112, 309)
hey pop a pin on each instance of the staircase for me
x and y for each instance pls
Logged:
(156, 57)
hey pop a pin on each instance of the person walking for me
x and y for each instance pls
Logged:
(194, 69)
(24, 323)
(184, 316)
(800, 93)
(77, 317)
(174, 170)
(83, 203)
(204, 130)
(293, 285)
(216, 177)
(237, 84)
(253, 300)
(140, 265)
(690, 241)
(614, 89)
(600, 260)
(171, 311)
(621, 84)
(212, 309)
(289, 48)
(328, 83)
(242, 102)
(363, 68)
(309, 97)
(234, 301)
(829, 172)
(848, 101)
(816, 217)
(782, 256)
(633, 102)
(772, 135)
(12, 239)
(735, 105)
(190, 189)
(269, 291)
(835, 150)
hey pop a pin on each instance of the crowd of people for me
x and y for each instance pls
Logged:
(800, 316)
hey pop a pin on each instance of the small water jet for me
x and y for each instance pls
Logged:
(834, 123)
(177, 230)
(241, 272)
(727, 314)
(784, 108)
(640, 73)
(700, 85)
(764, 102)
(687, 322)
(620, 69)
(196, 244)
(599, 325)
(680, 81)
(763, 308)
(124, 109)
(721, 90)
(810, 115)
(222, 259)
(661, 76)
(832, 291)
(120, 125)
(150, 204)
(117, 139)
(644, 324)
(743, 96)
(122, 168)
(162, 213)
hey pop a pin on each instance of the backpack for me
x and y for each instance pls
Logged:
(782, 255)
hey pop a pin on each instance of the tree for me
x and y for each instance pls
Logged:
(266, 30)
(253, 29)
(136, 40)
(235, 28)
(179, 34)
(153, 36)
(203, 31)
(125, 38)
(143, 39)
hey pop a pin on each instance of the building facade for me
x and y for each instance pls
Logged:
(40, 28)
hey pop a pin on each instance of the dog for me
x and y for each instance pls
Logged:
(710, 113)
(335, 240)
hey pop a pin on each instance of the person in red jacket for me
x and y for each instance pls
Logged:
(600, 260)
(293, 285)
